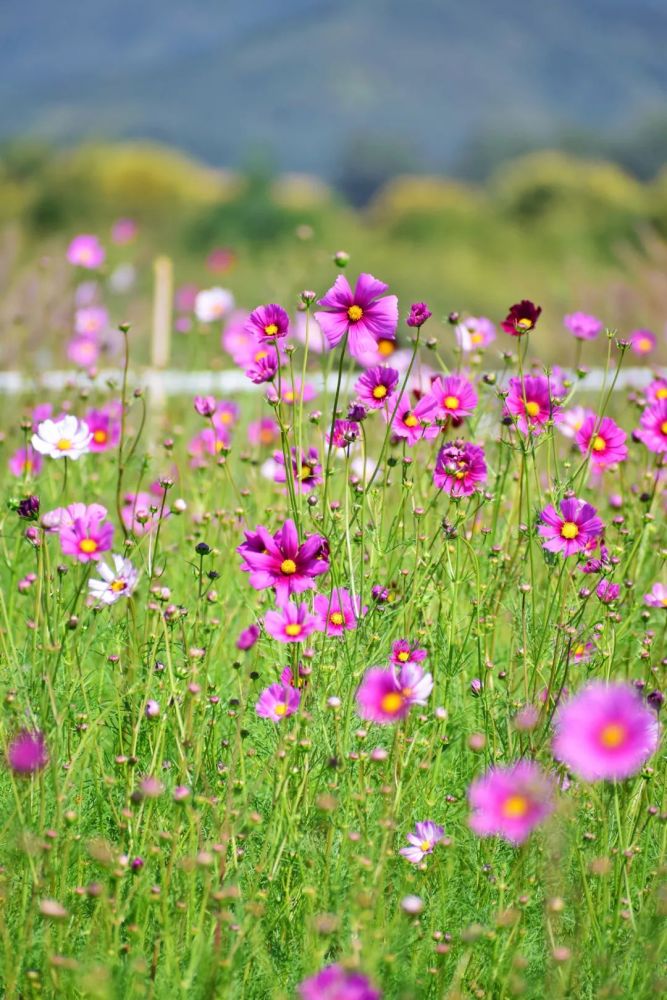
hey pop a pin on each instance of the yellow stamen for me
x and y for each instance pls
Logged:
(99, 437)
(515, 806)
(293, 629)
(379, 392)
(425, 846)
(532, 408)
(271, 330)
(392, 703)
(355, 313)
(280, 708)
(117, 586)
(452, 402)
(88, 545)
(569, 530)
(64, 444)
(661, 394)
(411, 420)
(613, 735)
(599, 443)
(336, 618)
(524, 323)
(663, 427)
(288, 566)
(403, 656)
(386, 347)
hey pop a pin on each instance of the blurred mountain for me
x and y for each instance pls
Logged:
(331, 85)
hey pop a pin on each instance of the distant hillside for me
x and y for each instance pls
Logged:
(315, 81)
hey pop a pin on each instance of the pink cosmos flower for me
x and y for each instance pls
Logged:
(278, 702)
(291, 394)
(531, 403)
(605, 732)
(27, 752)
(205, 405)
(403, 651)
(336, 613)
(412, 423)
(279, 561)
(306, 473)
(607, 592)
(582, 325)
(653, 431)
(510, 801)
(604, 440)
(366, 314)
(386, 695)
(317, 342)
(454, 397)
(460, 468)
(264, 366)
(521, 318)
(427, 834)
(64, 517)
(344, 434)
(418, 315)
(291, 623)
(236, 340)
(657, 596)
(376, 386)
(336, 983)
(572, 420)
(141, 512)
(268, 323)
(571, 531)
(642, 342)
(25, 462)
(124, 231)
(83, 351)
(86, 251)
(263, 432)
(104, 429)
(87, 537)
(91, 321)
(657, 390)
(248, 637)
(582, 652)
(474, 333)
(207, 442)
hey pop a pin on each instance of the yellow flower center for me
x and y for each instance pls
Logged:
(336, 618)
(380, 391)
(569, 529)
(403, 656)
(475, 338)
(88, 545)
(661, 393)
(386, 347)
(266, 436)
(392, 703)
(64, 444)
(663, 427)
(425, 845)
(280, 708)
(411, 420)
(532, 408)
(524, 323)
(452, 402)
(306, 472)
(118, 585)
(612, 735)
(260, 355)
(293, 629)
(355, 313)
(599, 443)
(225, 418)
(664, 602)
(288, 566)
(100, 437)
(289, 395)
(644, 344)
(579, 650)
(271, 330)
(515, 806)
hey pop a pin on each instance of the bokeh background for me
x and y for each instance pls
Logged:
(468, 153)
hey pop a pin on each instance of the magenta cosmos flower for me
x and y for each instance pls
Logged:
(377, 386)
(530, 403)
(607, 592)
(87, 537)
(521, 318)
(268, 322)
(278, 702)
(291, 623)
(141, 512)
(279, 561)
(642, 342)
(404, 651)
(91, 321)
(454, 397)
(582, 325)
(25, 462)
(573, 529)
(427, 834)
(657, 596)
(83, 351)
(336, 613)
(418, 315)
(412, 423)
(306, 472)
(386, 695)
(104, 430)
(604, 440)
(345, 433)
(27, 752)
(86, 251)
(653, 430)
(474, 333)
(460, 468)
(248, 637)
(510, 801)
(367, 314)
(336, 983)
(605, 732)
(657, 390)
(264, 366)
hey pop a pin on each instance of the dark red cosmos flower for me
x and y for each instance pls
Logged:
(521, 318)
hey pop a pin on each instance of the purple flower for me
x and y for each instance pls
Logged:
(27, 752)
(28, 508)
(510, 801)
(86, 251)
(291, 623)
(263, 366)
(427, 834)
(345, 433)
(642, 341)
(364, 314)
(336, 983)
(248, 637)
(657, 596)
(336, 613)
(306, 473)
(653, 432)
(403, 651)
(531, 403)
(454, 396)
(386, 696)
(279, 561)
(268, 322)
(474, 333)
(460, 468)
(604, 440)
(571, 531)
(278, 702)
(419, 313)
(413, 423)
(205, 405)
(377, 386)
(607, 592)
(583, 326)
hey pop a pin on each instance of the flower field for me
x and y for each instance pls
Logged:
(346, 688)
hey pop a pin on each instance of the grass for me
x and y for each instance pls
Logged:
(266, 851)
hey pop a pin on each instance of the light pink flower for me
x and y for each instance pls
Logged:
(510, 801)
(290, 623)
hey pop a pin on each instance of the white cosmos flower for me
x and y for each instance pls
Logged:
(121, 581)
(212, 304)
(64, 438)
